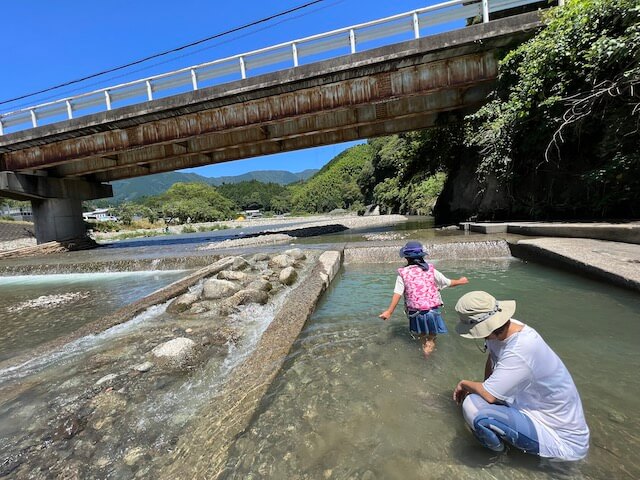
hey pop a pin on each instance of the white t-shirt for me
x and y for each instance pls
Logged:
(441, 282)
(529, 376)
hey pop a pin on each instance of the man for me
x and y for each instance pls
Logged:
(528, 398)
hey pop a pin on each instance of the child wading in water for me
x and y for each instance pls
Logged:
(421, 283)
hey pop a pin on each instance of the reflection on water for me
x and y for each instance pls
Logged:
(39, 308)
(356, 400)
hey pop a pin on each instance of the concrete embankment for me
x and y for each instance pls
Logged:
(244, 390)
(604, 251)
(615, 262)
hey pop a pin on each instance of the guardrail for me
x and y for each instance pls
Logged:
(285, 55)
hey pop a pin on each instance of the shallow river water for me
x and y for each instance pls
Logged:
(38, 308)
(357, 400)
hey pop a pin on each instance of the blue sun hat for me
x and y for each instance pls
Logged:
(413, 250)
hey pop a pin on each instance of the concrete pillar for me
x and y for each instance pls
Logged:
(58, 219)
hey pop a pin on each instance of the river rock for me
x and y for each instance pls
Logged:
(178, 351)
(182, 303)
(240, 263)
(260, 284)
(244, 297)
(232, 275)
(215, 288)
(288, 276)
(68, 428)
(143, 367)
(198, 308)
(107, 379)
(282, 261)
(107, 407)
(134, 455)
(295, 253)
(260, 257)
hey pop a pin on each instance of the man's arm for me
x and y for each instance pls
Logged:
(392, 306)
(465, 387)
(488, 367)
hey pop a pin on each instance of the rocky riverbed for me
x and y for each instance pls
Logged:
(116, 400)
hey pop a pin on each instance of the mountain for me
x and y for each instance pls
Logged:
(281, 177)
(133, 188)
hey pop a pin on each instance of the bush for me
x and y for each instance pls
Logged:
(108, 226)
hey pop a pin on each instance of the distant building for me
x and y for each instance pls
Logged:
(17, 213)
(99, 215)
(252, 213)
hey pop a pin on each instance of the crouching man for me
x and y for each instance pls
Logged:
(528, 398)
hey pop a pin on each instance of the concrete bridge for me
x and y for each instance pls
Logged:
(391, 89)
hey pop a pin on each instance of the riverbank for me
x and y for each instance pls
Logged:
(270, 224)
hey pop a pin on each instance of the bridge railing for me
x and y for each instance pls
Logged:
(348, 40)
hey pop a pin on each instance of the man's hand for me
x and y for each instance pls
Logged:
(385, 315)
(460, 393)
(463, 281)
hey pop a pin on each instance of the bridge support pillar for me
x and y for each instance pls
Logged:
(56, 202)
(58, 219)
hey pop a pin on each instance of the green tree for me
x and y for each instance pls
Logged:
(195, 201)
(335, 185)
(561, 135)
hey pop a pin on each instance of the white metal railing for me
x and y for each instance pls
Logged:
(286, 55)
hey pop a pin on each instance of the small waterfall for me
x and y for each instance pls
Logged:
(444, 251)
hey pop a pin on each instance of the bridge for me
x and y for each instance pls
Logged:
(402, 86)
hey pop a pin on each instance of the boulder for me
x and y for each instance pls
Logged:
(240, 263)
(282, 261)
(232, 275)
(260, 284)
(200, 307)
(182, 303)
(244, 297)
(215, 288)
(295, 253)
(260, 257)
(176, 352)
(288, 276)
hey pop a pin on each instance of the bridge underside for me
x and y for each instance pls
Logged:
(393, 89)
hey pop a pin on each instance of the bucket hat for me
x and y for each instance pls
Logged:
(413, 250)
(480, 314)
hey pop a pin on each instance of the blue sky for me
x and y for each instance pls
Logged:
(49, 42)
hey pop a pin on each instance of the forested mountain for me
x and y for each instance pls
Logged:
(280, 177)
(150, 185)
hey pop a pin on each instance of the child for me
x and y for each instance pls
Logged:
(421, 283)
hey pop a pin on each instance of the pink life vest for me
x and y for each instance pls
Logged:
(420, 289)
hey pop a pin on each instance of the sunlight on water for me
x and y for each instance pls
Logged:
(39, 308)
(357, 400)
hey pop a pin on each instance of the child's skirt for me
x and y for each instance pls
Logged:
(427, 322)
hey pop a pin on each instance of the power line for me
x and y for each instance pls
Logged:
(171, 60)
(151, 57)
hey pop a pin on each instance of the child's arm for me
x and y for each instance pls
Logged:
(392, 306)
(459, 281)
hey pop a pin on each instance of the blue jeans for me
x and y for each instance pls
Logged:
(494, 424)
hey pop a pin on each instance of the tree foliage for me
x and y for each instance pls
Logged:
(334, 186)
(561, 134)
(256, 195)
(196, 202)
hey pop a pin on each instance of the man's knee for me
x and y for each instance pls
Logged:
(471, 406)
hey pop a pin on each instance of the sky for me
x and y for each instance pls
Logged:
(49, 42)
